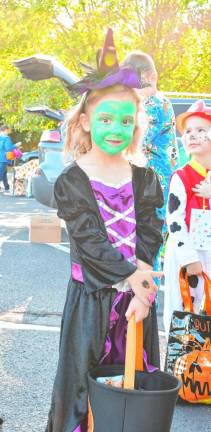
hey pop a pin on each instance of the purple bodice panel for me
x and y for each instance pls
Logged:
(116, 206)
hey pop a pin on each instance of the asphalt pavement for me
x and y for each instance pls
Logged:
(33, 281)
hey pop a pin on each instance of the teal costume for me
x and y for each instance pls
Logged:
(160, 146)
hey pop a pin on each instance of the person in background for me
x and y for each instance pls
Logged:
(189, 189)
(7, 147)
(159, 143)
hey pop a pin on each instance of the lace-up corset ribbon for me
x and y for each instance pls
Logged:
(116, 206)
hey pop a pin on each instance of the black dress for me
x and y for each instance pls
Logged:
(86, 313)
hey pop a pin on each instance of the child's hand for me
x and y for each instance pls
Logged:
(143, 265)
(194, 268)
(143, 286)
(138, 308)
(203, 189)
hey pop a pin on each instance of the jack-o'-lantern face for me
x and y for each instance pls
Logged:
(194, 371)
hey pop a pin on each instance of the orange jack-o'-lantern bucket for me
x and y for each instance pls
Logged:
(189, 346)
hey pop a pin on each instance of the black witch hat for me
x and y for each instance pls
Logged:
(108, 72)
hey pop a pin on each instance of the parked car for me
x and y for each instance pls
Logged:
(40, 67)
(50, 157)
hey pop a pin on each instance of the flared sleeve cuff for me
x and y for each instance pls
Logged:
(149, 225)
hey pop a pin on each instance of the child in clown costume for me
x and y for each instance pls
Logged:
(109, 206)
(190, 188)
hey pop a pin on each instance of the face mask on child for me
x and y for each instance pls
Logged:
(112, 125)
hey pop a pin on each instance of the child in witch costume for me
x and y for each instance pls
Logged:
(189, 189)
(109, 207)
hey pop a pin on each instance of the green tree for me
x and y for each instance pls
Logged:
(175, 32)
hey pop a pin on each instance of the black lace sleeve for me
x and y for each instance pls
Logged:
(148, 197)
(102, 264)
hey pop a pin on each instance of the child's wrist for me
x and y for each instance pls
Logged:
(132, 278)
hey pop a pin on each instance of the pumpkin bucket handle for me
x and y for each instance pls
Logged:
(207, 290)
(186, 296)
(134, 352)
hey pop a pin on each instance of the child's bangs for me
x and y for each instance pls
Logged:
(95, 95)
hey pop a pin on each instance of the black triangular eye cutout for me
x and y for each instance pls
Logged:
(199, 369)
(194, 366)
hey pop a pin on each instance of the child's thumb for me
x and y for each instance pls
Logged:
(130, 311)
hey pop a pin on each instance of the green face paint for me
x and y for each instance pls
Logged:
(112, 125)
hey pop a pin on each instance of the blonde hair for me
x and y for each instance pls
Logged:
(78, 141)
